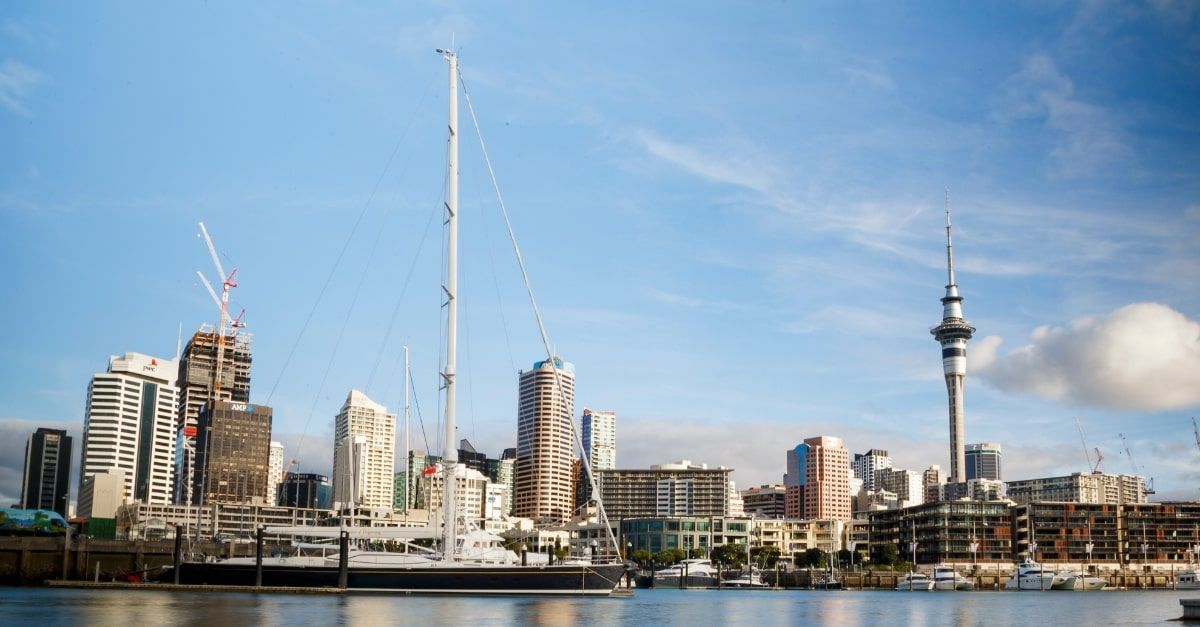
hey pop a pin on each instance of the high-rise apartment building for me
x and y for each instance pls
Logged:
(543, 489)
(907, 485)
(865, 466)
(934, 479)
(274, 471)
(765, 501)
(365, 453)
(502, 473)
(46, 484)
(233, 449)
(983, 461)
(600, 438)
(676, 489)
(130, 425)
(826, 479)
(952, 333)
(1080, 488)
(199, 385)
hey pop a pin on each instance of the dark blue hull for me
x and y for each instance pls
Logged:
(595, 579)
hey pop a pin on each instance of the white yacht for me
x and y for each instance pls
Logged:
(946, 578)
(1031, 576)
(691, 573)
(751, 580)
(915, 581)
(1188, 579)
(1084, 581)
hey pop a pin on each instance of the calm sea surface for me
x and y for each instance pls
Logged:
(42, 606)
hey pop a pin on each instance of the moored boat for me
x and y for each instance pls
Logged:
(946, 578)
(1031, 575)
(915, 581)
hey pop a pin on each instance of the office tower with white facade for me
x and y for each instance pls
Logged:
(46, 483)
(907, 485)
(952, 334)
(866, 464)
(542, 477)
(983, 461)
(826, 479)
(274, 471)
(364, 453)
(129, 425)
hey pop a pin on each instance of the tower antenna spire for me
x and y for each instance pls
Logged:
(949, 244)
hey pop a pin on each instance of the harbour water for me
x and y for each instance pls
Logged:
(43, 606)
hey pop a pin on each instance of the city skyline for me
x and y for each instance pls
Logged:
(748, 249)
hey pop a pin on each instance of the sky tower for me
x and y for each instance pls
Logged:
(952, 334)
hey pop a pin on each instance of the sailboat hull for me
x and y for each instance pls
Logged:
(564, 580)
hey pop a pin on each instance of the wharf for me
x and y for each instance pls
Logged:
(170, 587)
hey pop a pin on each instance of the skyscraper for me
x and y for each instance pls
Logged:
(196, 377)
(952, 333)
(130, 425)
(274, 471)
(983, 461)
(793, 481)
(865, 465)
(233, 448)
(826, 479)
(599, 435)
(542, 477)
(47, 470)
(600, 438)
(365, 445)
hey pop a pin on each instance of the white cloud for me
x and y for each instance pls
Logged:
(1141, 357)
(17, 82)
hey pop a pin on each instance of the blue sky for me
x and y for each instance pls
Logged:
(732, 216)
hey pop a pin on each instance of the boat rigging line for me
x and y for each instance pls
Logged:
(538, 315)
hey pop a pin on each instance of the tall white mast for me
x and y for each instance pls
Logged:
(407, 444)
(450, 453)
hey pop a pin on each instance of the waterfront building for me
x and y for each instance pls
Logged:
(364, 454)
(945, 532)
(972, 490)
(765, 501)
(143, 521)
(101, 494)
(199, 385)
(826, 479)
(46, 483)
(792, 537)
(470, 492)
(543, 489)
(865, 466)
(1080, 488)
(274, 471)
(654, 534)
(129, 425)
(306, 491)
(675, 489)
(232, 454)
(952, 334)
(908, 486)
(735, 507)
(983, 461)
(1109, 534)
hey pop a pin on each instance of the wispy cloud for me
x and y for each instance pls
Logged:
(17, 82)
(1087, 137)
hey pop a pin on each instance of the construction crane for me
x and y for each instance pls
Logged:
(1136, 469)
(1099, 458)
(1083, 440)
(1196, 431)
(222, 303)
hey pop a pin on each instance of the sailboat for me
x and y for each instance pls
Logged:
(471, 562)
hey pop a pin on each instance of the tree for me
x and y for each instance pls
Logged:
(642, 557)
(764, 556)
(733, 555)
(667, 556)
(696, 553)
(889, 555)
(560, 552)
(811, 558)
(845, 558)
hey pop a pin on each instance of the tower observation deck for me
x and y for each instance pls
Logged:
(952, 333)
